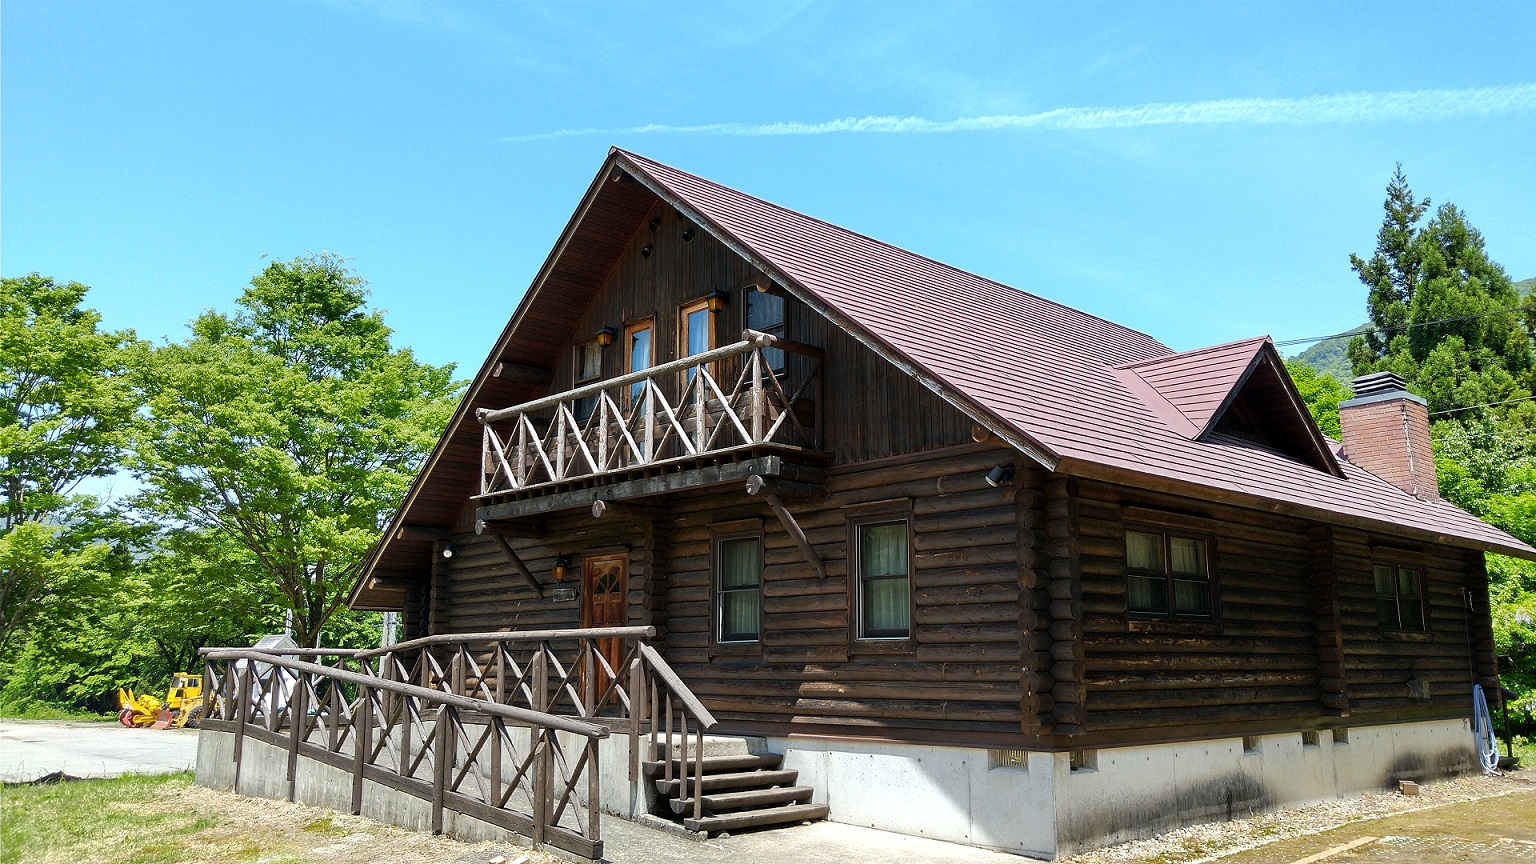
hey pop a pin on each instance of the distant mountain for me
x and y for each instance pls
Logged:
(1331, 356)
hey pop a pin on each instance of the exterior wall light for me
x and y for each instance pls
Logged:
(716, 301)
(447, 551)
(562, 564)
(1000, 475)
(607, 336)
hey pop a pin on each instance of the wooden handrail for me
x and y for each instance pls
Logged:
(511, 636)
(750, 339)
(463, 703)
(676, 685)
(292, 652)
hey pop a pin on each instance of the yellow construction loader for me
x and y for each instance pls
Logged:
(182, 706)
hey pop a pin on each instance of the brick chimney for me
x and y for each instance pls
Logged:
(1386, 432)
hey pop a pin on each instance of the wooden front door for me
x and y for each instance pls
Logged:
(604, 585)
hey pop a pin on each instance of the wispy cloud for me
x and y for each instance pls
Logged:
(1340, 108)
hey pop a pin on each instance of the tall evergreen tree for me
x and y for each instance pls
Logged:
(1436, 299)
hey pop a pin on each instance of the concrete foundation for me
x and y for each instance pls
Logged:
(1042, 805)
(1046, 805)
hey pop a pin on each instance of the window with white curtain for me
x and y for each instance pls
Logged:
(884, 583)
(738, 589)
(1167, 575)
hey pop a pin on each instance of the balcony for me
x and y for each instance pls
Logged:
(670, 418)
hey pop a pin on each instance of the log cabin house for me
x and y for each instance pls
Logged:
(965, 562)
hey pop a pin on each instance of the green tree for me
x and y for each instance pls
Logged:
(1322, 393)
(1431, 291)
(291, 429)
(66, 414)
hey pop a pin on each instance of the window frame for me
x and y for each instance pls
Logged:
(577, 380)
(782, 326)
(1207, 542)
(743, 529)
(631, 328)
(683, 311)
(1398, 564)
(879, 513)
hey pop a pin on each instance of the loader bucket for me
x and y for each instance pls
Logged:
(163, 719)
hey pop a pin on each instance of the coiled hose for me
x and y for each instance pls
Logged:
(1482, 731)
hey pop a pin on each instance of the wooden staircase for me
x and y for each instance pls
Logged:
(739, 790)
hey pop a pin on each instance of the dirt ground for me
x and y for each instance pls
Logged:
(1472, 820)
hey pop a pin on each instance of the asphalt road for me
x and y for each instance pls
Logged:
(31, 748)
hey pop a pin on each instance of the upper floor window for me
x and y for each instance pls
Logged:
(1400, 598)
(637, 342)
(1167, 575)
(695, 330)
(765, 314)
(738, 589)
(883, 566)
(587, 369)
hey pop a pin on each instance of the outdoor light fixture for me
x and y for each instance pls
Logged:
(716, 301)
(655, 223)
(645, 251)
(447, 551)
(687, 233)
(1000, 475)
(606, 336)
(562, 564)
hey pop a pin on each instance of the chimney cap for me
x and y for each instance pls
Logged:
(1379, 387)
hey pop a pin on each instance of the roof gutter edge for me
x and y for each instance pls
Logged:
(1124, 476)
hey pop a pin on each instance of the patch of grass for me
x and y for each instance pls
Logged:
(324, 825)
(44, 711)
(36, 822)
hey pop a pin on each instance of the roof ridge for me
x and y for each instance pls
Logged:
(834, 226)
(1234, 343)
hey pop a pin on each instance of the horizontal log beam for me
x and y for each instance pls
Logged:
(619, 510)
(423, 533)
(695, 478)
(784, 490)
(517, 373)
(525, 530)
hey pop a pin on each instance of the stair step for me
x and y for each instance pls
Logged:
(718, 764)
(751, 798)
(757, 818)
(743, 780)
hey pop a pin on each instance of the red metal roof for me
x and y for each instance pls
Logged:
(1047, 370)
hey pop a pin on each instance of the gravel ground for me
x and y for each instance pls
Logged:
(1207, 842)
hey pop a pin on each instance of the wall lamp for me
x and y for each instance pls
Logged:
(716, 300)
(562, 564)
(447, 551)
(1000, 475)
(607, 336)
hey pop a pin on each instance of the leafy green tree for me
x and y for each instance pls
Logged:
(66, 414)
(291, 429)
(1322, 393)
(1431, 291)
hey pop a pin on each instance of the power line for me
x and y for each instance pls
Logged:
(1484, 405)
(1401, 326)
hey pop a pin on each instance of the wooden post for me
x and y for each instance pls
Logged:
(501, 672)
(758, 406)
(362, 742)
(636, 711)
(296, 712)
(541, 785)
(698, 769)
(207, 688)
(498, 728)
(242, 709)
(589, 676)
(275, 686)
(440, 767)
(594, 792)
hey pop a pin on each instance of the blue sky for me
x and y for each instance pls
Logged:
(1200, 172)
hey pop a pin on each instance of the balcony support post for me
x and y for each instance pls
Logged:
(517, 564)
(773, 491)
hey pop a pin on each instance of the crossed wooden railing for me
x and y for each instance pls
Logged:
(631, 422)
(469, 722)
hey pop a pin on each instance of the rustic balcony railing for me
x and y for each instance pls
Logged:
(469, 721)
(666, 414)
